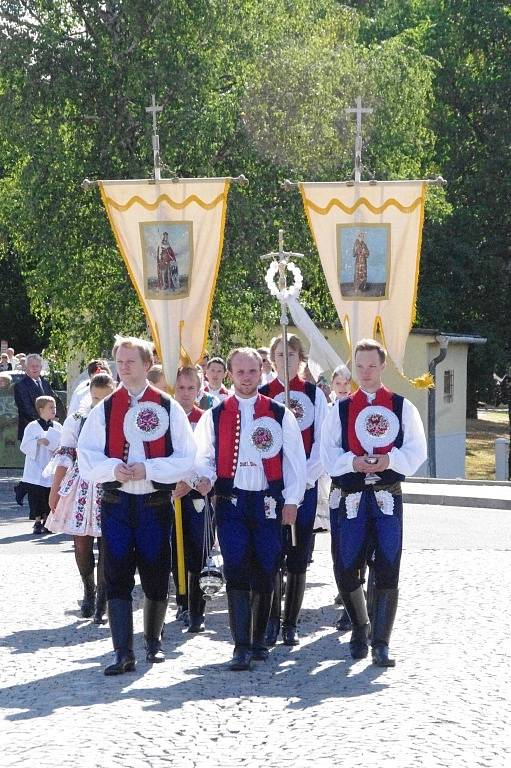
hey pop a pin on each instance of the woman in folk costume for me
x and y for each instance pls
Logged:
(75, 503)
(310, 408)
(370, 442)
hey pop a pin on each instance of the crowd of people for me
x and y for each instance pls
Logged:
(259, 476)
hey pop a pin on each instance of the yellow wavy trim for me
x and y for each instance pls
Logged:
(363, 201)
(165, 198)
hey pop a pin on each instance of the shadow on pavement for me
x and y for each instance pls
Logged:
(302, 677)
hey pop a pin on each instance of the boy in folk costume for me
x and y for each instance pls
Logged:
(191, 607)
(310, 407)
(366, 492)
(138, 443)
(215, 374)
(250, 447)
(41, 438)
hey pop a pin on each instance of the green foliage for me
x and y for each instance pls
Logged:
(259, 88)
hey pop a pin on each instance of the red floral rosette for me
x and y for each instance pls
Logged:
(376, 427)
(145, 422)
(266, 437)
(301, 406)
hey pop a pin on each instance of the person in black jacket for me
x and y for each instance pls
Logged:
(31, 386)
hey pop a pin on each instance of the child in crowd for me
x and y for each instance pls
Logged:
(40, 439)
(341, 383)
(75, 503)
(157, 378)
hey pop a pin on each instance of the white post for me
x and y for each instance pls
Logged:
(501, 458)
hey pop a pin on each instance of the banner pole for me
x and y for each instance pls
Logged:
(178, 522)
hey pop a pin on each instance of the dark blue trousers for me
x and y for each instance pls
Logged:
(371, 529)
(136, 534)
(296, 558)
(250, 534)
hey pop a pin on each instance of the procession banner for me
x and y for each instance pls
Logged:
(170, 234)
(368, 236)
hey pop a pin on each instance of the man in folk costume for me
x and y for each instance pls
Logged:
(366, 492)
(250, 447)
(192, 606)
(310, 408)
(138, 443)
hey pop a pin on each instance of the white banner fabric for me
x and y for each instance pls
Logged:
(170, 235)
(369, 238)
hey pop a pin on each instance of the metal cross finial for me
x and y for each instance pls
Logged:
(154, 109)
(359, 110)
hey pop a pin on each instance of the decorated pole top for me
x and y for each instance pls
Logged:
(359, 110)
(153, 110)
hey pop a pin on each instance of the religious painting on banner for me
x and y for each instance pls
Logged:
(368, 236)
(170, 235)
(363, 258)
(167, 252)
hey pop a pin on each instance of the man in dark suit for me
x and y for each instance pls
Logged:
(26, 390)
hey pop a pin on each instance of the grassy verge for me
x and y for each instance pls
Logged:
(481, 435)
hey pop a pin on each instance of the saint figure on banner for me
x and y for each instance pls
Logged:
(361, 255)
(168, 273)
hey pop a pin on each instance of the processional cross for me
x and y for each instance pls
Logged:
(154, 109)
(283, 258)
(359, 110)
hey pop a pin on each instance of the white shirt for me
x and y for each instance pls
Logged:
(215, 393)
(38, 456)
(96, 467)
(405, 460)
(80, 397)
(249, 475)
(314, 465)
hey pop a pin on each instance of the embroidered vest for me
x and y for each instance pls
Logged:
(275, 387)
(348, 412)
(227, 427)
(116, 406)
(194, 416)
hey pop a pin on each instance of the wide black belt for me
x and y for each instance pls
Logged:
(394, 488)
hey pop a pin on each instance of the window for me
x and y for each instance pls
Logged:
(448, 386)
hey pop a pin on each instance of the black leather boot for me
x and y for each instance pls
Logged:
(240, 620)
(295, 589)
(384, 612)
(196, 604)
(120, 618)
(273, 626)
(154, 619)
(100, 605)
(343, 623)
(261, 605)
(371, 586)
(355, 604)
(89, 596)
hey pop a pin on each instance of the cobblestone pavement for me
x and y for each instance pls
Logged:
(446, 703)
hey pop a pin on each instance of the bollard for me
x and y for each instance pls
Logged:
(501, 458)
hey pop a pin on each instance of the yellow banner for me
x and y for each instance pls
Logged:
(170, 235)
(368, 236)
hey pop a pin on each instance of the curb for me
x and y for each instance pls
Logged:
(456, 501)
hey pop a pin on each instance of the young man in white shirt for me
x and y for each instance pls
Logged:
(138, 443)
(366, 494)
(251, 449)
